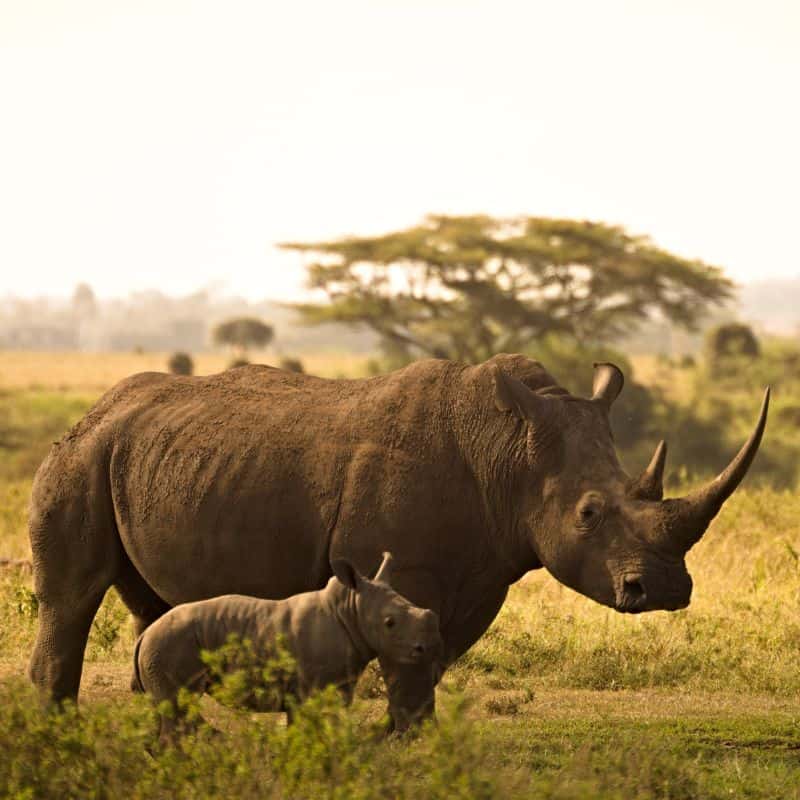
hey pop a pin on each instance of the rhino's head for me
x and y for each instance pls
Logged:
(391, 625)
(607, 535)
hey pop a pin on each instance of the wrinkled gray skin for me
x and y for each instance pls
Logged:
(332, 634)
(175, 489)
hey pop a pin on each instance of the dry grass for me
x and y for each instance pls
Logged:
(96, 372)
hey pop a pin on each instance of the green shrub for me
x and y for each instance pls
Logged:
(329, 752)
(241, 676)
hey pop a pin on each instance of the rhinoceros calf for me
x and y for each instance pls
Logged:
(332, 633)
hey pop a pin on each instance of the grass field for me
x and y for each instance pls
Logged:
(560, 699)
(95, 372)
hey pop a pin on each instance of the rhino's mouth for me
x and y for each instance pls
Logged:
(632, 598)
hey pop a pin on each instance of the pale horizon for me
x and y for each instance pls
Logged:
(170, 145)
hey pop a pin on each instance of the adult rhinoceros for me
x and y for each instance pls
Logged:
(174, 489)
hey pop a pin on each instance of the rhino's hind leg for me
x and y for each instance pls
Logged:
(76, 556)
(57, 659)
(143, 603)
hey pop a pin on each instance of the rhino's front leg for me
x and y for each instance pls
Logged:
(411, 693)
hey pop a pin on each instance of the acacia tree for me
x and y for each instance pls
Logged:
(242, 333)
(467, 287)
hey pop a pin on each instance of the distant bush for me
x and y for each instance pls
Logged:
(291, 364)
(238, 362)
(242, 333)
(180, 364)
(375, 366)
(733, 339)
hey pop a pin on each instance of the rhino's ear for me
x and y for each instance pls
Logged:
(608, 382)
(511, 394)
(346, 573)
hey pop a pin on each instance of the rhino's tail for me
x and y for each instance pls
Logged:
(136, 678)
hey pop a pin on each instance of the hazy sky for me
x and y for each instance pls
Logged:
(170, 144)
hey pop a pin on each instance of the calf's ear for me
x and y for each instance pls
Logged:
(346, 573)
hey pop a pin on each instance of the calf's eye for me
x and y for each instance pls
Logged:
(389, 622)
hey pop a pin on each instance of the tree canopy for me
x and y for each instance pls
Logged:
(243, 332)
(466, 287)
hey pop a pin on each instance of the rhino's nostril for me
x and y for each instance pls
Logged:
(418, 649)
(634, 596)
(633, 588)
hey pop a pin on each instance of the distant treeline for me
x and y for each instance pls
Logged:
(153, 321)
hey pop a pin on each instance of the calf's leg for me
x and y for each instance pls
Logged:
(163, 667)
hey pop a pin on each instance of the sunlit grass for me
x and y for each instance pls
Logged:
(96, 372)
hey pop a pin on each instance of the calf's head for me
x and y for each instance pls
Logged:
(609, 536)
(390, 624)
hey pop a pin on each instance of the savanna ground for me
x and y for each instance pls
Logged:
(561, 698)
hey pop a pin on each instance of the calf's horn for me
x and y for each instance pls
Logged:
(691, 515)
(385, 568)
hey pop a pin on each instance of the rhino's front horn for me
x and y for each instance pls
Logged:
(689, 516)
(650, 484)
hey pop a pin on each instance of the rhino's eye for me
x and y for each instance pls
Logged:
(388, 622)
(590, 511)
